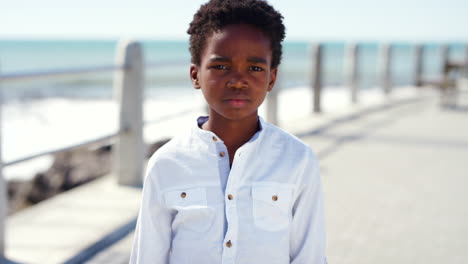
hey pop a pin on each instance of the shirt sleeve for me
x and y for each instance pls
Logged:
(307, 239)
(153, 235)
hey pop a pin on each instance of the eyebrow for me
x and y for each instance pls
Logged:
(257, 60)
(220, 59)
(228, 59)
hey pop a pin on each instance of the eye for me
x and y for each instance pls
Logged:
(219, 67)
(256, 68)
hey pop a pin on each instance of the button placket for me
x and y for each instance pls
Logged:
(231, 216)
(231, 206)
(221, 150)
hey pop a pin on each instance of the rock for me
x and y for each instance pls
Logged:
(69, 170)
(17, 192)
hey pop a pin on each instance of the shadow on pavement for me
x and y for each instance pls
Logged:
(7, 261)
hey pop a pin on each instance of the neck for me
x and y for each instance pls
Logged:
(233, 133)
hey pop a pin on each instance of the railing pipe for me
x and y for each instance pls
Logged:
(352, 70)
(317, 72)
(21, 76)
(167, 63)
(172, 116)
(59, 150)
(128, 90)
(45, 74)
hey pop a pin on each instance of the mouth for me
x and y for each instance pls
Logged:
(237, 102)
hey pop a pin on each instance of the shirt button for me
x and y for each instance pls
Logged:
(229, 244)
(215, 139)
(274, 198)
(183, 195)
(222, 154)
(230, 197)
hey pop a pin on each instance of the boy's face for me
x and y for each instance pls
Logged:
(235, 73)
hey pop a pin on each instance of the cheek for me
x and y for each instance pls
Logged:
(213, 82)
(213, 78)
(261, 78)
(264, 95)
(262, 84)
(211, 91)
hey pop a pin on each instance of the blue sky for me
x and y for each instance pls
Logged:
(396, 20)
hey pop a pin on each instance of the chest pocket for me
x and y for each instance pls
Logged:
(191, 205)
(271, 206)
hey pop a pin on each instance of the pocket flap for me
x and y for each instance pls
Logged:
(186, 197)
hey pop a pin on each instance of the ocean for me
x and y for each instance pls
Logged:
(23, 55)
(39, 115)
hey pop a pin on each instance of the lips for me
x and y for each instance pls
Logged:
(237, 102)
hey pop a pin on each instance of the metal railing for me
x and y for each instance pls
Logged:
(21, 76)
(129, 83)
(64, 149)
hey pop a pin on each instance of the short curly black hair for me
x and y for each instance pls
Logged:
(216, 14)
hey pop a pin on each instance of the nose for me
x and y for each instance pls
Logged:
(237, 80)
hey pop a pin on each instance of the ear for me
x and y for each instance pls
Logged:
(194, 70)
(273, 74)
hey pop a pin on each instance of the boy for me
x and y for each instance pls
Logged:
(235, 189)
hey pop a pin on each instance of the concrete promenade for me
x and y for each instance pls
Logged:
(395, 177)
(396, 183)
(73, 226)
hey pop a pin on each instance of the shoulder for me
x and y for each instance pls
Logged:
(170, 152)
(289, 156)
(288, 142)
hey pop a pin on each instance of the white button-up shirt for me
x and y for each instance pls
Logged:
(267, 208)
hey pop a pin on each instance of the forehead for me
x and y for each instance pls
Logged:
(238, 40)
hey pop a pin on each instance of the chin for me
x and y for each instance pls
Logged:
(239, 116)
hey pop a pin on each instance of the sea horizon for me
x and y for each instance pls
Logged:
(18, 55)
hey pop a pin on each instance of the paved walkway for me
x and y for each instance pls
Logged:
(72, 226)
(395, 179)
(396, 185)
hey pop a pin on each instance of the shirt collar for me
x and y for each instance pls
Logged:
(208, 136)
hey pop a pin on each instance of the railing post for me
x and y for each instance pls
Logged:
(445, 56)
(445, 51)
(3, 211)
(447, 92)
(466, 60)
(3, 187)
(351, 70)
(317, 71)
(418, 67)
(272, 100)
(385, 67)
(128, 88)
